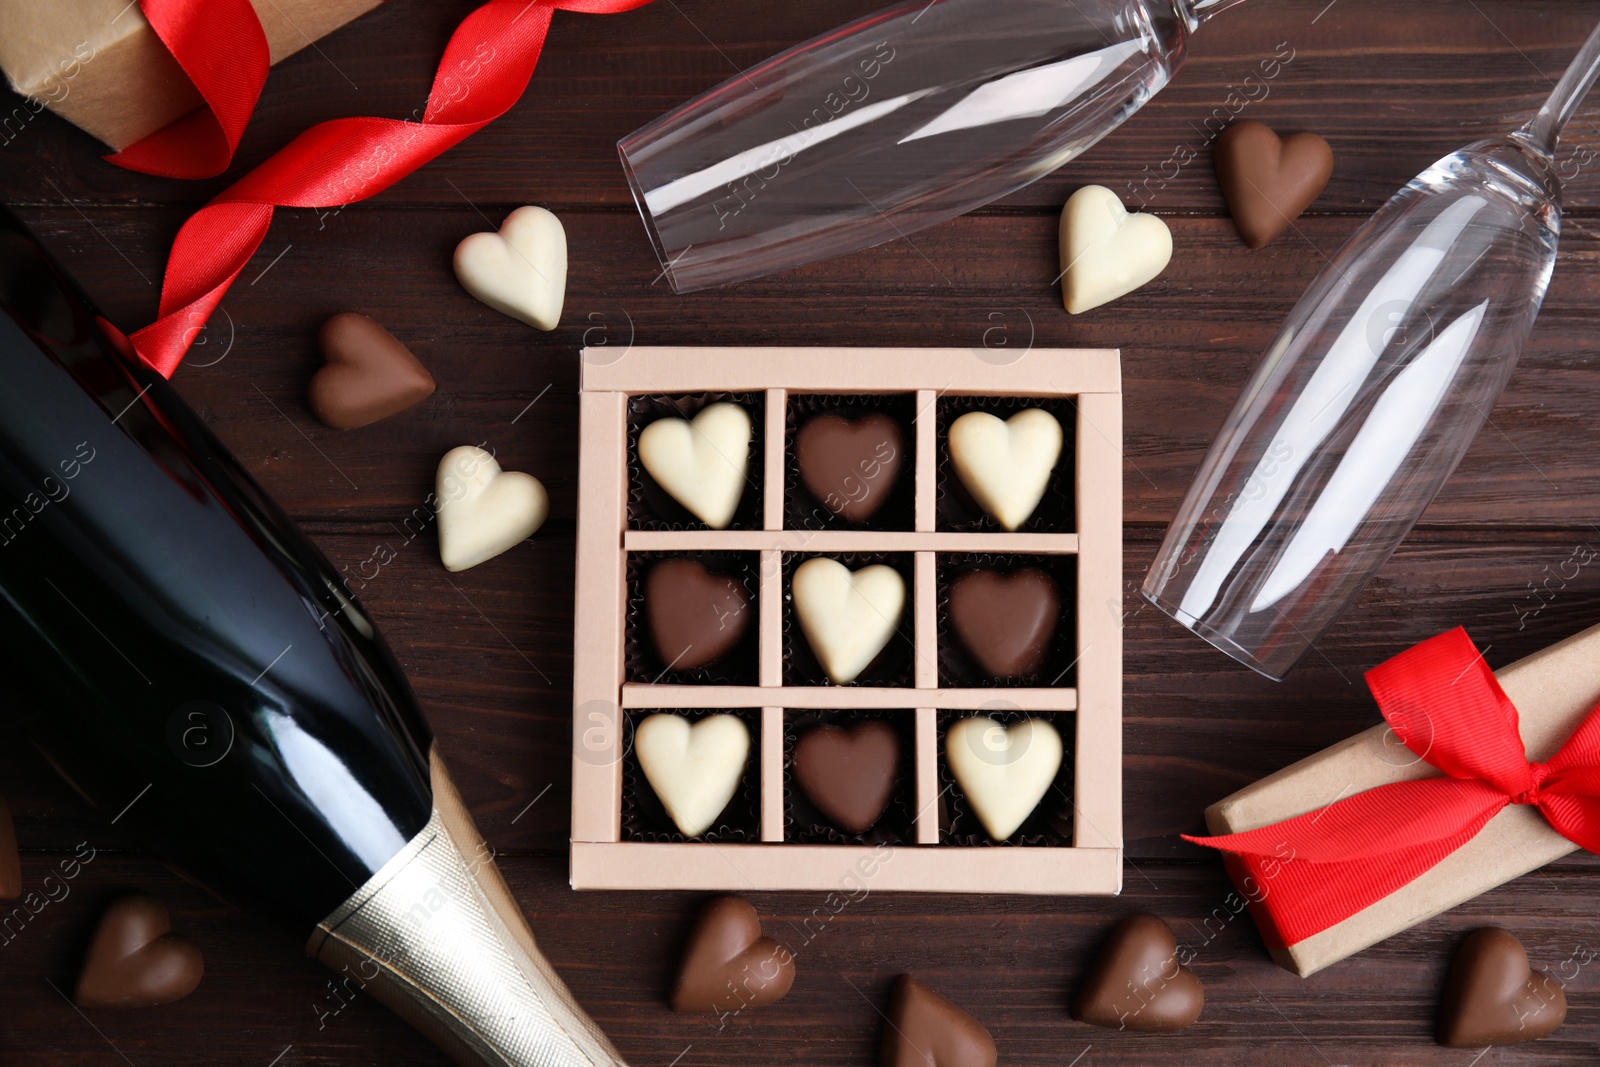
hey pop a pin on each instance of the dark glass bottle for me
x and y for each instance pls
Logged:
(197, 670)
(190, 662)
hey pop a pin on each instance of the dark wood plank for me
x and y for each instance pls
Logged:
(489, 653)
(1013, 963)
(1392, 86)
(1189, 341)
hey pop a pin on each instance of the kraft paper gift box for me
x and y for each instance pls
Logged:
(1553, 690)
(99, 65)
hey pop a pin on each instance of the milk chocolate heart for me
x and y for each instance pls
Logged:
(728, 965)
(695, 617)
(850, 465)
(1005, 621)
(1137, 983)
(10, 859)
(135, 960)
(1492, 997)
(926, 1030)
(1268, 181)
(848, 774)
(369, 375)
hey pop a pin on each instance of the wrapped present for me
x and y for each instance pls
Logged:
(1476, 778)
(99, 65)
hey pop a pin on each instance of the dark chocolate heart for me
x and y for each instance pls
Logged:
(926, 1030)
(135, 960)
(369, 375)
(1005, 620)
(850, 465)
(695, 617)
(1268, 181)
(728, 965)
(1137, 983)
(10, 859)
(848, 774)
(1492, 997)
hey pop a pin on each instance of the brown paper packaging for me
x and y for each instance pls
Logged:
(99, 65)
(1553, 689)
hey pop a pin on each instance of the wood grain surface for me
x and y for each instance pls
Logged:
(1393, 85)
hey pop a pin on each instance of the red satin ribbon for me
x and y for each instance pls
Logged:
(221, 47)
(1444, 703)
(486, 67)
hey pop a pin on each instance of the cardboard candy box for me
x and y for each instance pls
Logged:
(99, 65)
(1553, 691)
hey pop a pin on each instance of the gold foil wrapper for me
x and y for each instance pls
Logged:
(437, 937)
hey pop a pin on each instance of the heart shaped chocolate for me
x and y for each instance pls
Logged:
(850, 465)
(1137, 983)
(369, 375)
(483, 510)
(926, 1030)
(1107, 251)
(1005, 621)
(701, 462)
(728, 965)
(847, 616)
(694, 617)
(1267, 180)
(1006, 466)
(520, 271)
(1003, 771)
(135, 960)
(694, 768)
(1492, 997)
(848, 774)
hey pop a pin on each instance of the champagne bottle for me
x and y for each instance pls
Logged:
(197, 670)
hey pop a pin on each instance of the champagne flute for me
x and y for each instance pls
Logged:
(1369, 396)
(907, 117)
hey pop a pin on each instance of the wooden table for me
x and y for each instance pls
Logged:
(1392, 85)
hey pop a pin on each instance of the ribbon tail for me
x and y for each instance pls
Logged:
(1313, 871)
(223, 237)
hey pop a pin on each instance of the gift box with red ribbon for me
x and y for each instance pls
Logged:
(1475, 779)
(100, 64)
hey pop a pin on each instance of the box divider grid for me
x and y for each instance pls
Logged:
(770, 651)
(926, 430)
(841, 697)
(845, 541)
(772, 774)
(927, 777)
(1097, 781)
(598, 637)
(773, 467)
(925, 635)
(1091, 709)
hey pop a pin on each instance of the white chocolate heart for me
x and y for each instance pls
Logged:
(520, 271)
(1006, 465)
(1003, 773)
(483, 510)
(702, 463)
(694, 768)
(847, 616)
(1106, 252)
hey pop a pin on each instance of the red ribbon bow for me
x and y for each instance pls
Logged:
(485, 68)
(1445, 705)
(221, 47)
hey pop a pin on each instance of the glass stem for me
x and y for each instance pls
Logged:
(1543, 131)
(1194, 12)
